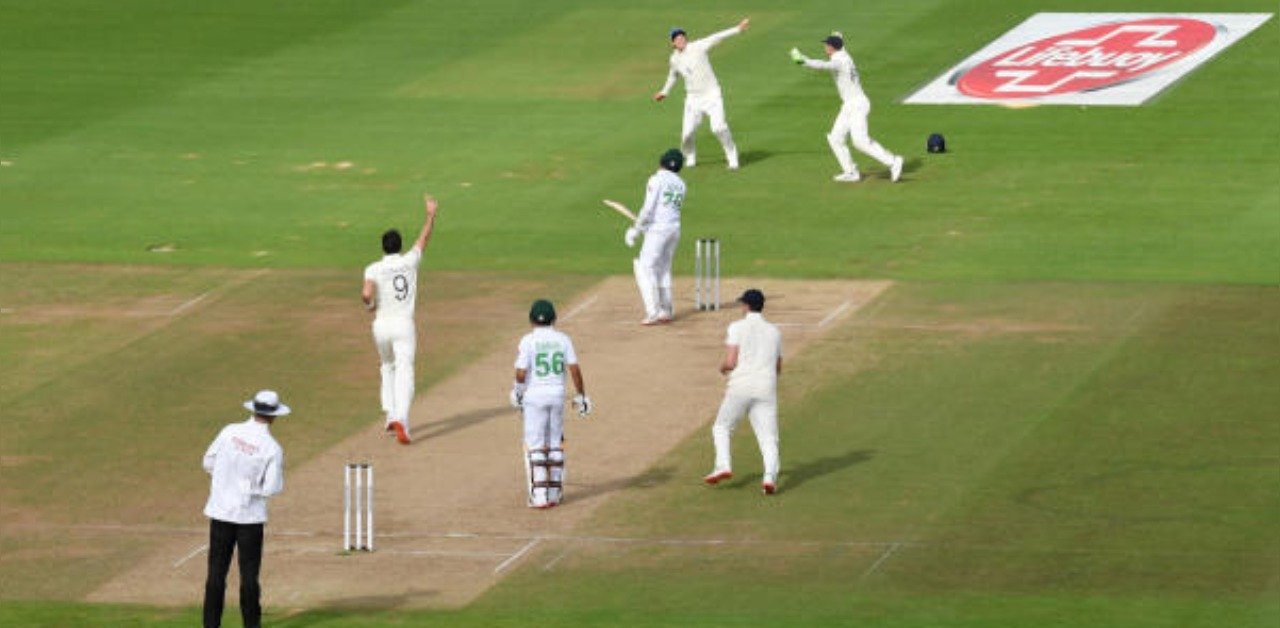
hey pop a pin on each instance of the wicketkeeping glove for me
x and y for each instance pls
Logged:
(630, 236)
(582, 404)
(797, 57)
(517, 395)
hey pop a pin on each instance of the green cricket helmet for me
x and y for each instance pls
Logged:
(542, 312)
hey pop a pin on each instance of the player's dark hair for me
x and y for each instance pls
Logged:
(391, 242)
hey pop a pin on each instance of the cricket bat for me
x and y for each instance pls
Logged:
(621, 209)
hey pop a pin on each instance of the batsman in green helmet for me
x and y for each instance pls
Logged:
(544, 356)
(659, 221)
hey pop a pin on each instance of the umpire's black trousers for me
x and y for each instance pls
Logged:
(224, 537)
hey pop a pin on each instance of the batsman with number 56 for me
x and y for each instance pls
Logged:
(390, 291)
(544, 355)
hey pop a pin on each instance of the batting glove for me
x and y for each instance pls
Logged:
(582, 404)
(517, 395)
(630, 236)
(797, 57)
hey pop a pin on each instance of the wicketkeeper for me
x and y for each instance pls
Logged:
(851, 122)
(544, 355)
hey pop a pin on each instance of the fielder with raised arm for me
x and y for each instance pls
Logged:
(659, 221)
(702, 90)
(851, 122)
(753, 361)
(391, 292)
(544, 355)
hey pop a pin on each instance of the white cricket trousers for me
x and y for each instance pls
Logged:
(712, 106)
(653, 271)
(851, 123)
(543, 434)
(397, 342)
(763, 414)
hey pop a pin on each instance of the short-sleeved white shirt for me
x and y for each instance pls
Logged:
(545, 353)
(396, 278)
(759, 346)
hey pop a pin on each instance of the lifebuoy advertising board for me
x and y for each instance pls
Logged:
(1119, 59)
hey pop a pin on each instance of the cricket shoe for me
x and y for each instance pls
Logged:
(401, 434)
(650, 321)
(716, 477)
(769, 488)
(664, 319)
(895, 169)
(847, 177)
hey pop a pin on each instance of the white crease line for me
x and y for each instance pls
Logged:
(393, 552)
(835, 313)
(552, 563)
(193, 553)
(582, 307)
(516, 556)
(189, 304)
(883, 557)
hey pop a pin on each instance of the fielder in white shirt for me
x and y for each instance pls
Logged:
(702, 91)
(753, 361)
(246, 466)
(851, 122)
(543, 357)
(659, 221)
(391, 292)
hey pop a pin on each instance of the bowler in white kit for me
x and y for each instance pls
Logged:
(753, 361)
(391, 292)
(659, 221)
(851, 122)
(544, 356)
(702, 91)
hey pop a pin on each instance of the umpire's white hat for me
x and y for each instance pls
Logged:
(267, 403)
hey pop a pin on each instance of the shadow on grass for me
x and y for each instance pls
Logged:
(460, 422)
(335, 610)
(794, 476)
(648, 479)
(807, 470)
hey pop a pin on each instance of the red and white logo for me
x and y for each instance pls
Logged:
(1087, 59)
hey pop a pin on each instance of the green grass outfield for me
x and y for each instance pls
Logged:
(1063, 415)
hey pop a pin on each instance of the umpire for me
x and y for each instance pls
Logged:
(247, 467)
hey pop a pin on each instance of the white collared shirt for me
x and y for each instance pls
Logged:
(247, 467)
(759, 346)
(663, 200)
(545, 353)
(844, 72)
(693, 64)
(396, 278)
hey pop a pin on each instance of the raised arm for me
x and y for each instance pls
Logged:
(715, 38)
(429, 224)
